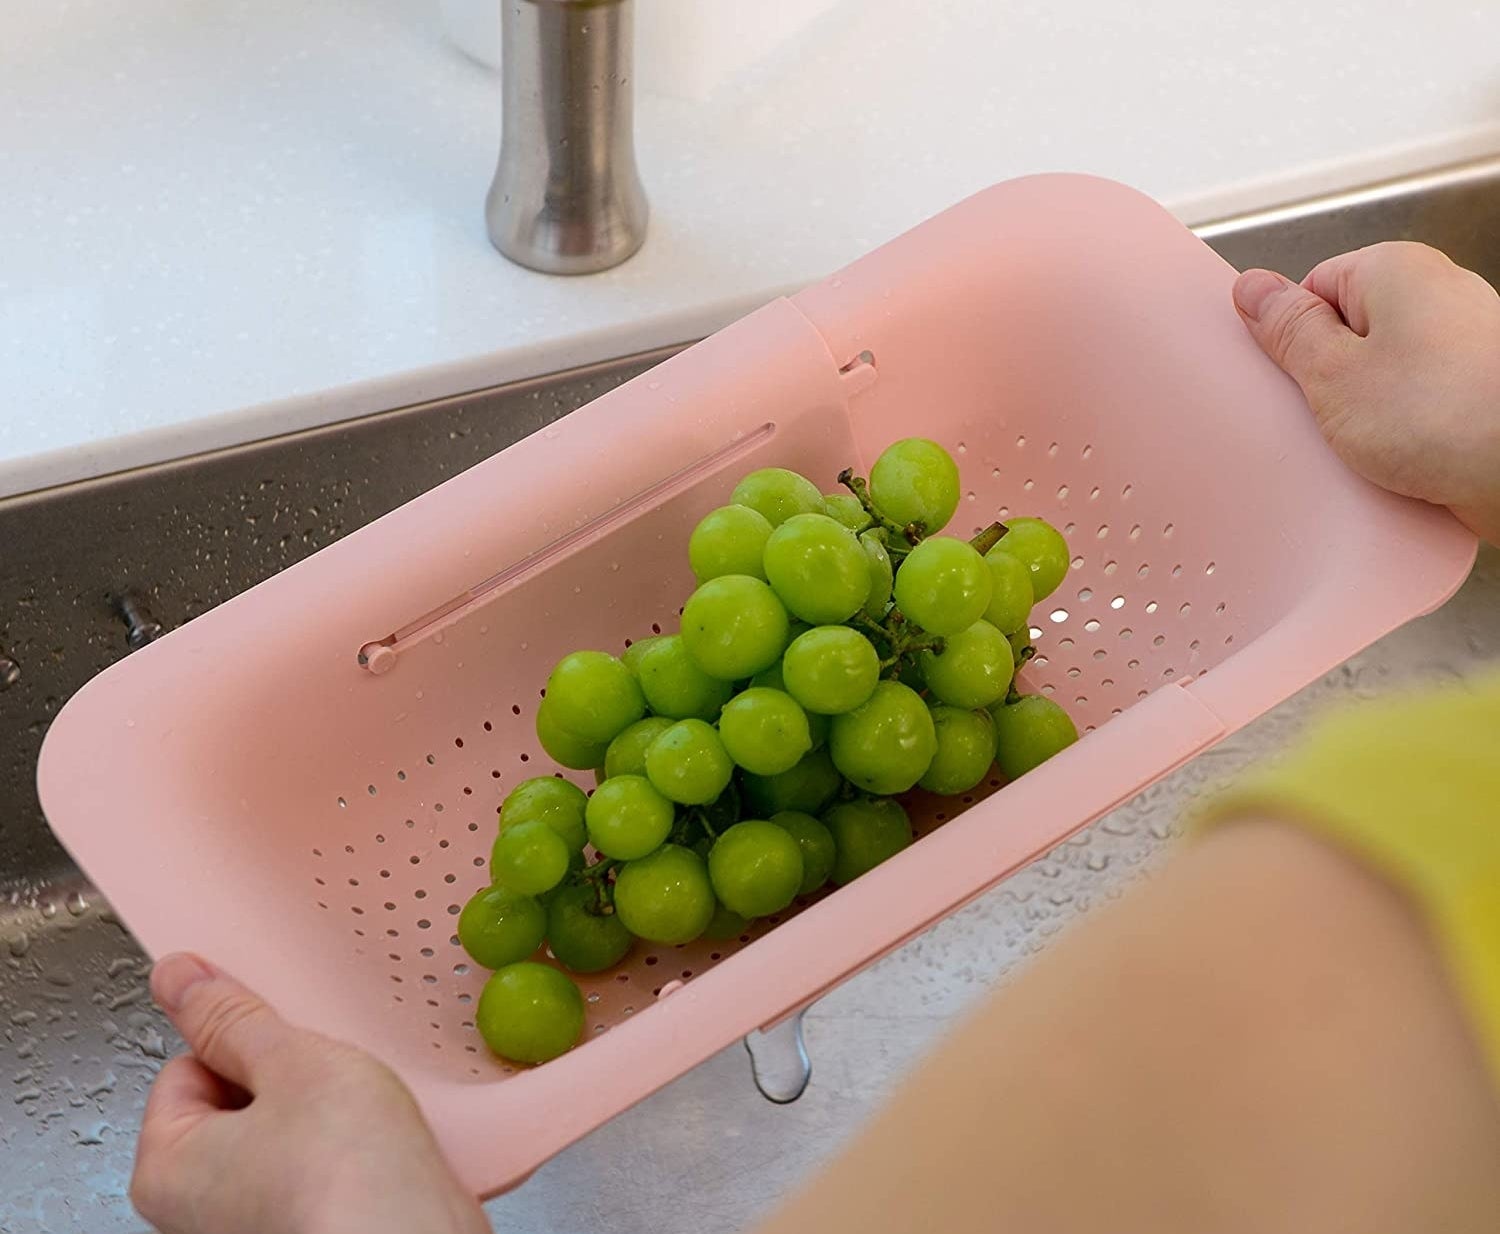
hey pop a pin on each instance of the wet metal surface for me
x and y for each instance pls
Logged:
(79, 1038)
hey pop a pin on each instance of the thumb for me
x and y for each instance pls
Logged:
(1298, 329)
(230, 1030)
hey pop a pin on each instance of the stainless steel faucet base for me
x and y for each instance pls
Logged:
(567, 198)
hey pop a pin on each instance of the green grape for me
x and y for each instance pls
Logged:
(1019, 642)
(1010, 592)
(1028, 732)
(688, 763)
(729, 540)
(1041, 548)
(734, 626)
(529, 1013)
(675, 686)
(666, 897)
(777, 494)
(563, 746)
(816, 843)
(584, 936)
(627, 818)
(755, 868)
(915, 481)
(764, 731)
(943, 586)
(498, 927)
(576, 865)
(865, 833)
(965, 750)
(631, 656)
(626, 755)
(973, 669)
(724, 924)
(529, 858)
(886, 744)
(882, 573)
(817, 568)
(594, 696)
(557, 802)
(831, 669)
(847, 509)
(807, 787)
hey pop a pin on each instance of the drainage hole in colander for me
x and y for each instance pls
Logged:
(437, 807)
(1094, 494)
(472, 826)
(450, 878)
(354, 882)
(1117, 603)
(1085, 594)
(1151, 606)
(1177, 571)
(321, 904)
(1052, 449)
(371, 789)
(1168, 530)
(1070, 528)
(1159, 640)
(356, 910)
(343, 805)
(410, 823)
(1020, 443)
(319, 881)
(1091, 626)
(432, 760)
(1102, 533)
(1133, 664)
(1100, 653)
(1077, 562)
(454, 910)
(428, 952)
(1126, 634)
(1194, 645)
(1028, 485)
(650, 959)
(1075, 672)
(593, 996)
(525, 758)
(420, 894)
(1135, 532)
(1062, 492)
(1049, 689)
(1107, 682)
(1036, 633)
(1066, 642)
(379, 839)
(390, 906)
(1111, 566)
(317, 852)
(415, 860)
(495, 773)
(1185, 610)
(424, 924)
(459, 742)
(401, 775)
(478, 861)
(468, 792)
(1058, 615)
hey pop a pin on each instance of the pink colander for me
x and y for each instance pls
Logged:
(302, 783)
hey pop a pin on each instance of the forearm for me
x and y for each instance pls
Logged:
(1261, 1038)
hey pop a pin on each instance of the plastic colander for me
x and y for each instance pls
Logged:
(302, 783)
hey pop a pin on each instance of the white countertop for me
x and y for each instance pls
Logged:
(223, 221)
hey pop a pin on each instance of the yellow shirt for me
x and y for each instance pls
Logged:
(1411, 785)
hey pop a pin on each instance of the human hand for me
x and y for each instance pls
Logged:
(1398, 352)
(270, 1129)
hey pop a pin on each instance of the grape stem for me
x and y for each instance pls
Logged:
(988, 538)
(912, 533)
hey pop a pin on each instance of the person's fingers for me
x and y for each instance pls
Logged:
(229, 1029)
(1337, 281)
(1299, 330)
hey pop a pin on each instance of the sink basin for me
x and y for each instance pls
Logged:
(95, 565)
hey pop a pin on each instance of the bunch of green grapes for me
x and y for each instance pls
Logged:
(837, 653)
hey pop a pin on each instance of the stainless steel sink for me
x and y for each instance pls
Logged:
(90, 567)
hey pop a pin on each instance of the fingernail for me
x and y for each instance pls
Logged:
(174, 976)
(1253, 288)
